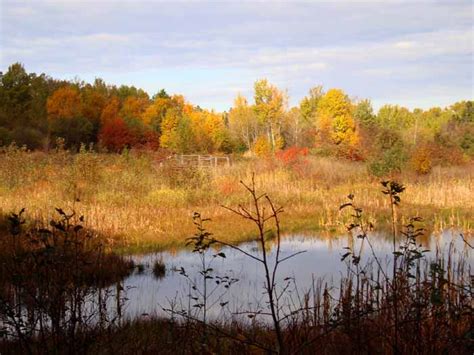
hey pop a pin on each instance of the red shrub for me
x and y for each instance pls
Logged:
(291, 155)
(293, 158)
(115, 135)
(152, 140)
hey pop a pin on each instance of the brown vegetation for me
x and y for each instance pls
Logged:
(135, 202)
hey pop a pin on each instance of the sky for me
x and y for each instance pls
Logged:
(411, 53)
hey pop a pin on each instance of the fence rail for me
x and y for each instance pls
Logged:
(204, 161)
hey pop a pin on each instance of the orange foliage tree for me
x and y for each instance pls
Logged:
(64, 103)
(111, 110)
(133, 107)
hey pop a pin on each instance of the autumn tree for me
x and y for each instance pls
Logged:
(115, 135)
(111, 110)
(463, 111)
(243, 124)
(216, 131)
(94, 100)
(179, 125)
(156, 111)
(133, 107)
(169, 129)
(309, 104)
(262, 147)
(394, 117)
(65, 103)
(335, 121)
(162, 94)
(125, 91)
(296, 126)
(269, 108)
(66, 119)
(177, 133)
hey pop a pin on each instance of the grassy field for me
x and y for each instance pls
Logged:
(139, 205)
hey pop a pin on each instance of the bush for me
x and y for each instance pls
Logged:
(467, 141)
(293, 158)
(5, 136)
(75, 131)
(421, 160)
(389, 154)
(262, 147)
(29, 137)
(115, 135)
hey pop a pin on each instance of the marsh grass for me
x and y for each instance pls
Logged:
(135, 202)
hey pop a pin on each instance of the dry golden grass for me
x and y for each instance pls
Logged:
(137, 204)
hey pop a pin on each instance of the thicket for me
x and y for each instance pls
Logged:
(36, 110)
(55, 283)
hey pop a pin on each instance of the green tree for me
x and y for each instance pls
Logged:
(388, 153)
(463, 111)
(15, 97)
(364, 113)
(309, 104)
(162, 94)
(94, 99)
(75, 131)
(395, 117)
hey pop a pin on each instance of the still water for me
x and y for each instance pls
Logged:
(320, 263)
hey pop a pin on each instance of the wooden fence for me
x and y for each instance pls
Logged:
(204, 161)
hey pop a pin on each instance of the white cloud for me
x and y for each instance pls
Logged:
(405, 44)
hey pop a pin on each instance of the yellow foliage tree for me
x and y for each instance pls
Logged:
(169, 129)
(262, 147)
(215, 128)
(334, 118)
(154, 113)
(133, 107)
(209, 131)
(269, 107)
(243, 124)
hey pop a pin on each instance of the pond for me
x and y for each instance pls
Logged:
(319, 264)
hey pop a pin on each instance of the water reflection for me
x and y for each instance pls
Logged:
(321, 261)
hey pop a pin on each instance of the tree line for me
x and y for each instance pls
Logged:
(37, 110)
